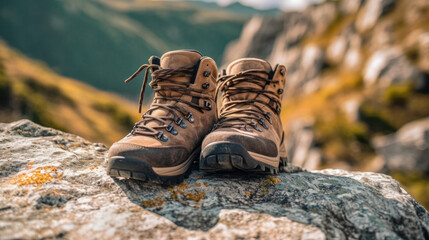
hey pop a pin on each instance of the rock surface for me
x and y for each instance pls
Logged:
(407, 149)
(54, 185)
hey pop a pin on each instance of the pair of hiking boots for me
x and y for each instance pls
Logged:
(183, 123)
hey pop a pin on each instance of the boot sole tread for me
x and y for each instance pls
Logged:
(231, 157)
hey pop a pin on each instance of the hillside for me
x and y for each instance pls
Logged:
(357, 70)
(29, 89)
(102, 42)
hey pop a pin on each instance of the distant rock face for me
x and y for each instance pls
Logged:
(371, 12)
(387, 67)
(300, 144)
(350, 6)
(345, 50)
(54, 185)
(278, 39)
(350, 36)
(418, 43)
(407, 149)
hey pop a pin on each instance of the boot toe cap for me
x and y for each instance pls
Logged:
(154, 156)
(251, 142)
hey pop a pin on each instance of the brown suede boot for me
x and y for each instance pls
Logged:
(249, 134)
(164, 144)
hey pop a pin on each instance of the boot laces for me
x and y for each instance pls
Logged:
(175, 111)
(236, 113)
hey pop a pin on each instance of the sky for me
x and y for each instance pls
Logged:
(264, 4)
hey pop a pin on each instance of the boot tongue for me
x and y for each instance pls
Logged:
(179, 58)
(243, 65)
(171, 60)
(247, 64)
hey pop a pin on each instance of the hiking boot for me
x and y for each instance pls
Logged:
(164, 144)
(249, 134)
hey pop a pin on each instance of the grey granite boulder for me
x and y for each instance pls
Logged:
(54, 185)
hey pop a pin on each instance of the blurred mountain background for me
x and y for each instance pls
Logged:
(357, 96)
(101, 42)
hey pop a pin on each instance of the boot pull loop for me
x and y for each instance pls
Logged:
(194, 74)
(155, 60)
(273, 72)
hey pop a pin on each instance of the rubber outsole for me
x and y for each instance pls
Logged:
(129, 168)
(230, 157)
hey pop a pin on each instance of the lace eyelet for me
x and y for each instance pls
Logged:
(206, 85)
(262, 122)
(190, 117)
(255, 126)
(170, 129)
(179, 121)
(278, 109)
(246, 129)
(160, 136)
(207, 73)
(208, 105)
(280, 91)
(268, 117)
(282, 72)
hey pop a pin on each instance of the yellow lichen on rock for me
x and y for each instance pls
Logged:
(272, 180)
(196, 196)
(178, 193)
(158, 202)
(38, 176)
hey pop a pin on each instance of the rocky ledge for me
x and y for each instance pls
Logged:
(54, 185)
